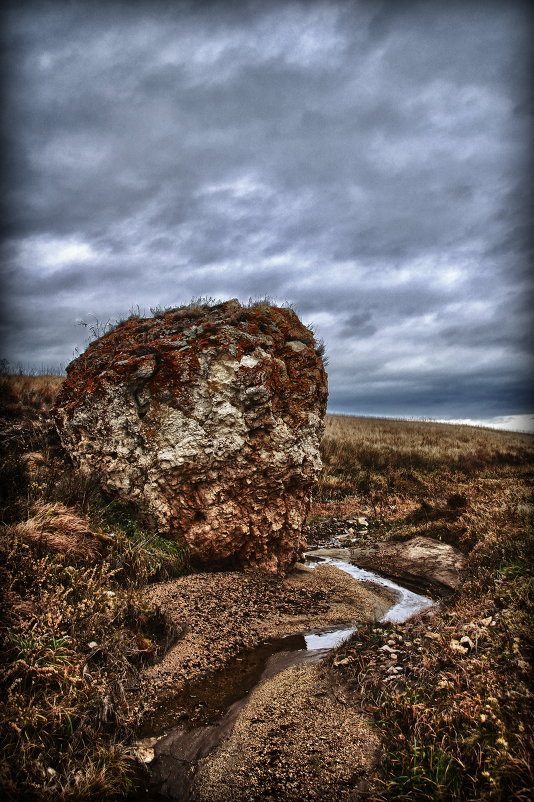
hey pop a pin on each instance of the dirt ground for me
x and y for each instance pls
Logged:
(300, 737)
(222, 614)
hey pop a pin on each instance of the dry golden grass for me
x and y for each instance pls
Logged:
(44, 383)
(455, 726)
(383, 443)
(59, 529)
(36, 392)
(386, 468)
(455, 723)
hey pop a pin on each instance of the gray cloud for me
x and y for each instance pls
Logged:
(367, 162)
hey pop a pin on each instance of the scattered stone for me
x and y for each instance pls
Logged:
(332, 533)
(144, 749)
(343, 662)
(467, 642)
(209, 420)
(456, 646)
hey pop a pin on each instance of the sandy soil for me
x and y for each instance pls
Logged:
(223, 613)
(300, 737)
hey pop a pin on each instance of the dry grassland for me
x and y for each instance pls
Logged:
(455, 725)
(456, 720)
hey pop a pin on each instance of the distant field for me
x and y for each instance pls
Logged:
(384, 443)
(20, 391)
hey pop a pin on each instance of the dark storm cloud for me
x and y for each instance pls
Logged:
(367, 162)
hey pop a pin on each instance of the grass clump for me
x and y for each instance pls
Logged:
(135, 552)
(74, 637)
(75, 630)
(66, 662)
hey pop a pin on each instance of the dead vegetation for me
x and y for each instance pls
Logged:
(450, 693)
(21, 394)
(455, 721)
(74, 628)
(355, 450)
(58, 529)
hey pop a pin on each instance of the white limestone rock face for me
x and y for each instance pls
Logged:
(209, 419)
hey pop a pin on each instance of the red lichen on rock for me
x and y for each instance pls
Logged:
(209, 419)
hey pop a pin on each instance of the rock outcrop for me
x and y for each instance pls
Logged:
(208, 418)
(421, 559)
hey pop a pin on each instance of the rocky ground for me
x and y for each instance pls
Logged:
(421, 561)
(448, 694)
(303, 733)
(333, 533)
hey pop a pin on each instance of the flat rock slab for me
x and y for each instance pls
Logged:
(420, 559)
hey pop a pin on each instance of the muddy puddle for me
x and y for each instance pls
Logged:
(186, 728)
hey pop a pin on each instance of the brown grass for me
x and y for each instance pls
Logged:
(59, 529)
(72, 573)
(455, 725)
(379, 443)
(387, 469)
(19, 391)
(456, 721)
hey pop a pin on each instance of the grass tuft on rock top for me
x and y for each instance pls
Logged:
(74, 627)
(449, 691)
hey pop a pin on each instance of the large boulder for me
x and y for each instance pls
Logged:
(208, 418)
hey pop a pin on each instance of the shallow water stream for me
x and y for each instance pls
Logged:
(188, 727)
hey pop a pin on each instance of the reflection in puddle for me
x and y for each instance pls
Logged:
(206, 700)
(408, 602)
(327, 640)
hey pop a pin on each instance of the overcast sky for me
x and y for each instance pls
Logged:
(365, 161)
